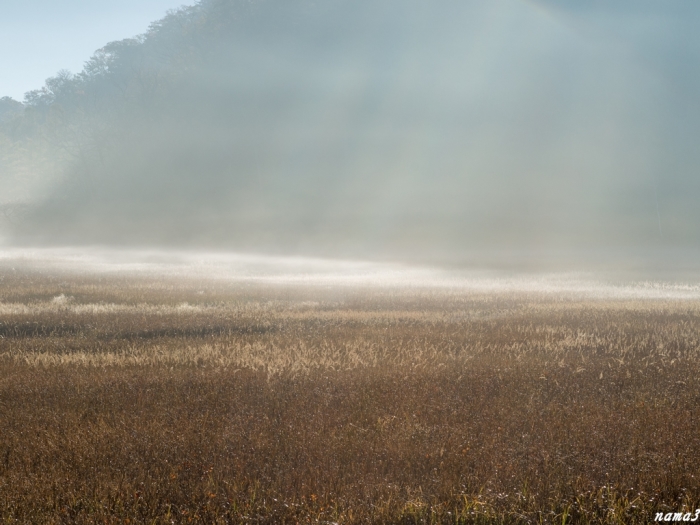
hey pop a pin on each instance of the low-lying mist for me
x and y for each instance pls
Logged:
(241, 270)
(502, 134)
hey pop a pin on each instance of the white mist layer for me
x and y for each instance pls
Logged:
(263, 269)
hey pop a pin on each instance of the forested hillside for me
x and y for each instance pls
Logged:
(235, 122)
(346, 128)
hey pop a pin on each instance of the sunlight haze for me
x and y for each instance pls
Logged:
(510, 132)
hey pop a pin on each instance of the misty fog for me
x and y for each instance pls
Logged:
(464, 133)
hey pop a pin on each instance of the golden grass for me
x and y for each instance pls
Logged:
(129, 400)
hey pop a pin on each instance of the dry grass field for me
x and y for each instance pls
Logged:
(143, 400)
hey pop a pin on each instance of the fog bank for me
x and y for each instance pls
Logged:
(455, 133)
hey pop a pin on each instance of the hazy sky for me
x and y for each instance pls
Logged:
(40, 37)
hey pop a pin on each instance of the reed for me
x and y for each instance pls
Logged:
(129, 400)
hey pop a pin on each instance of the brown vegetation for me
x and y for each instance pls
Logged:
(144, 401)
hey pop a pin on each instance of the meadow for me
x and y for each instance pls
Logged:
(145, 399)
